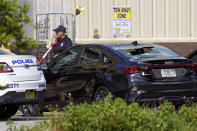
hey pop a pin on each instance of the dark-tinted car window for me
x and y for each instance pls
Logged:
(67, 58)
(145, 52)
(90, 57)
(106, 60)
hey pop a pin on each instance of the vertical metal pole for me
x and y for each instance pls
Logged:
(74, 29)
(74, 24)
(47, 27)
(36, 28)
(62, 6)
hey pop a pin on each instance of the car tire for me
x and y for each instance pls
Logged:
(101, 93)
(7, 111)
(31, 110)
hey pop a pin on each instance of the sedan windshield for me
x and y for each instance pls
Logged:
(145, 52)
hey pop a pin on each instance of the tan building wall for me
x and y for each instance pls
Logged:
(151, 20)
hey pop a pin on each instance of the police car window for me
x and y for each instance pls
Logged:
(67, 58)
(90, 57)
(4, 52)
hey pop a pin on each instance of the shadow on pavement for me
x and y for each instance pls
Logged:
(22, 118)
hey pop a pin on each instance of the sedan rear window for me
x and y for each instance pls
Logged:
(4, 52)
(145, 52)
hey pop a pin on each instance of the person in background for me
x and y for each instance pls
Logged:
(63, 41)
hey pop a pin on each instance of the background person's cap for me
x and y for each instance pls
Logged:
(60, 28)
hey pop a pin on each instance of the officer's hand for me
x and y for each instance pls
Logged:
(56, 55)
(54, 42)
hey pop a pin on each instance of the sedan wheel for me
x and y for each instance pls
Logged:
(31, 110)
(101, 93)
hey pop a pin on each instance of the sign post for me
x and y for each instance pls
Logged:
(121, 22)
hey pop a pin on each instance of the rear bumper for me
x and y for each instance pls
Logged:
(19, 98)
(175, 96)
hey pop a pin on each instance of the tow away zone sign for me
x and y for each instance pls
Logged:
(121, 22)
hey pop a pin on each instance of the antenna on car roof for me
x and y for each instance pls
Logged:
(134, 43)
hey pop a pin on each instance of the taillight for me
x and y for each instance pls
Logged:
(5, 68)
(11, 91)
(134, 69)
(138, 69)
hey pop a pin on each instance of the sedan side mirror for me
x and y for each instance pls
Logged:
(43, 66)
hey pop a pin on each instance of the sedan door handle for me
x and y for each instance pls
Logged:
(145, 74)
(66, 73)
(12, 74)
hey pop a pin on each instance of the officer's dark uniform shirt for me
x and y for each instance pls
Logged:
(62, 44)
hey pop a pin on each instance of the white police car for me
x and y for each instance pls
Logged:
(21, 82)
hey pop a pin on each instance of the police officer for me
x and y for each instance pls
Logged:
(63, 41)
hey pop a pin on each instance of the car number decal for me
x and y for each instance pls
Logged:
(14, 85)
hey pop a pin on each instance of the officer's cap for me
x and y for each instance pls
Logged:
(60, 28)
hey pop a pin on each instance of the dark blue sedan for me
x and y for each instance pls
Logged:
(135, 72)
